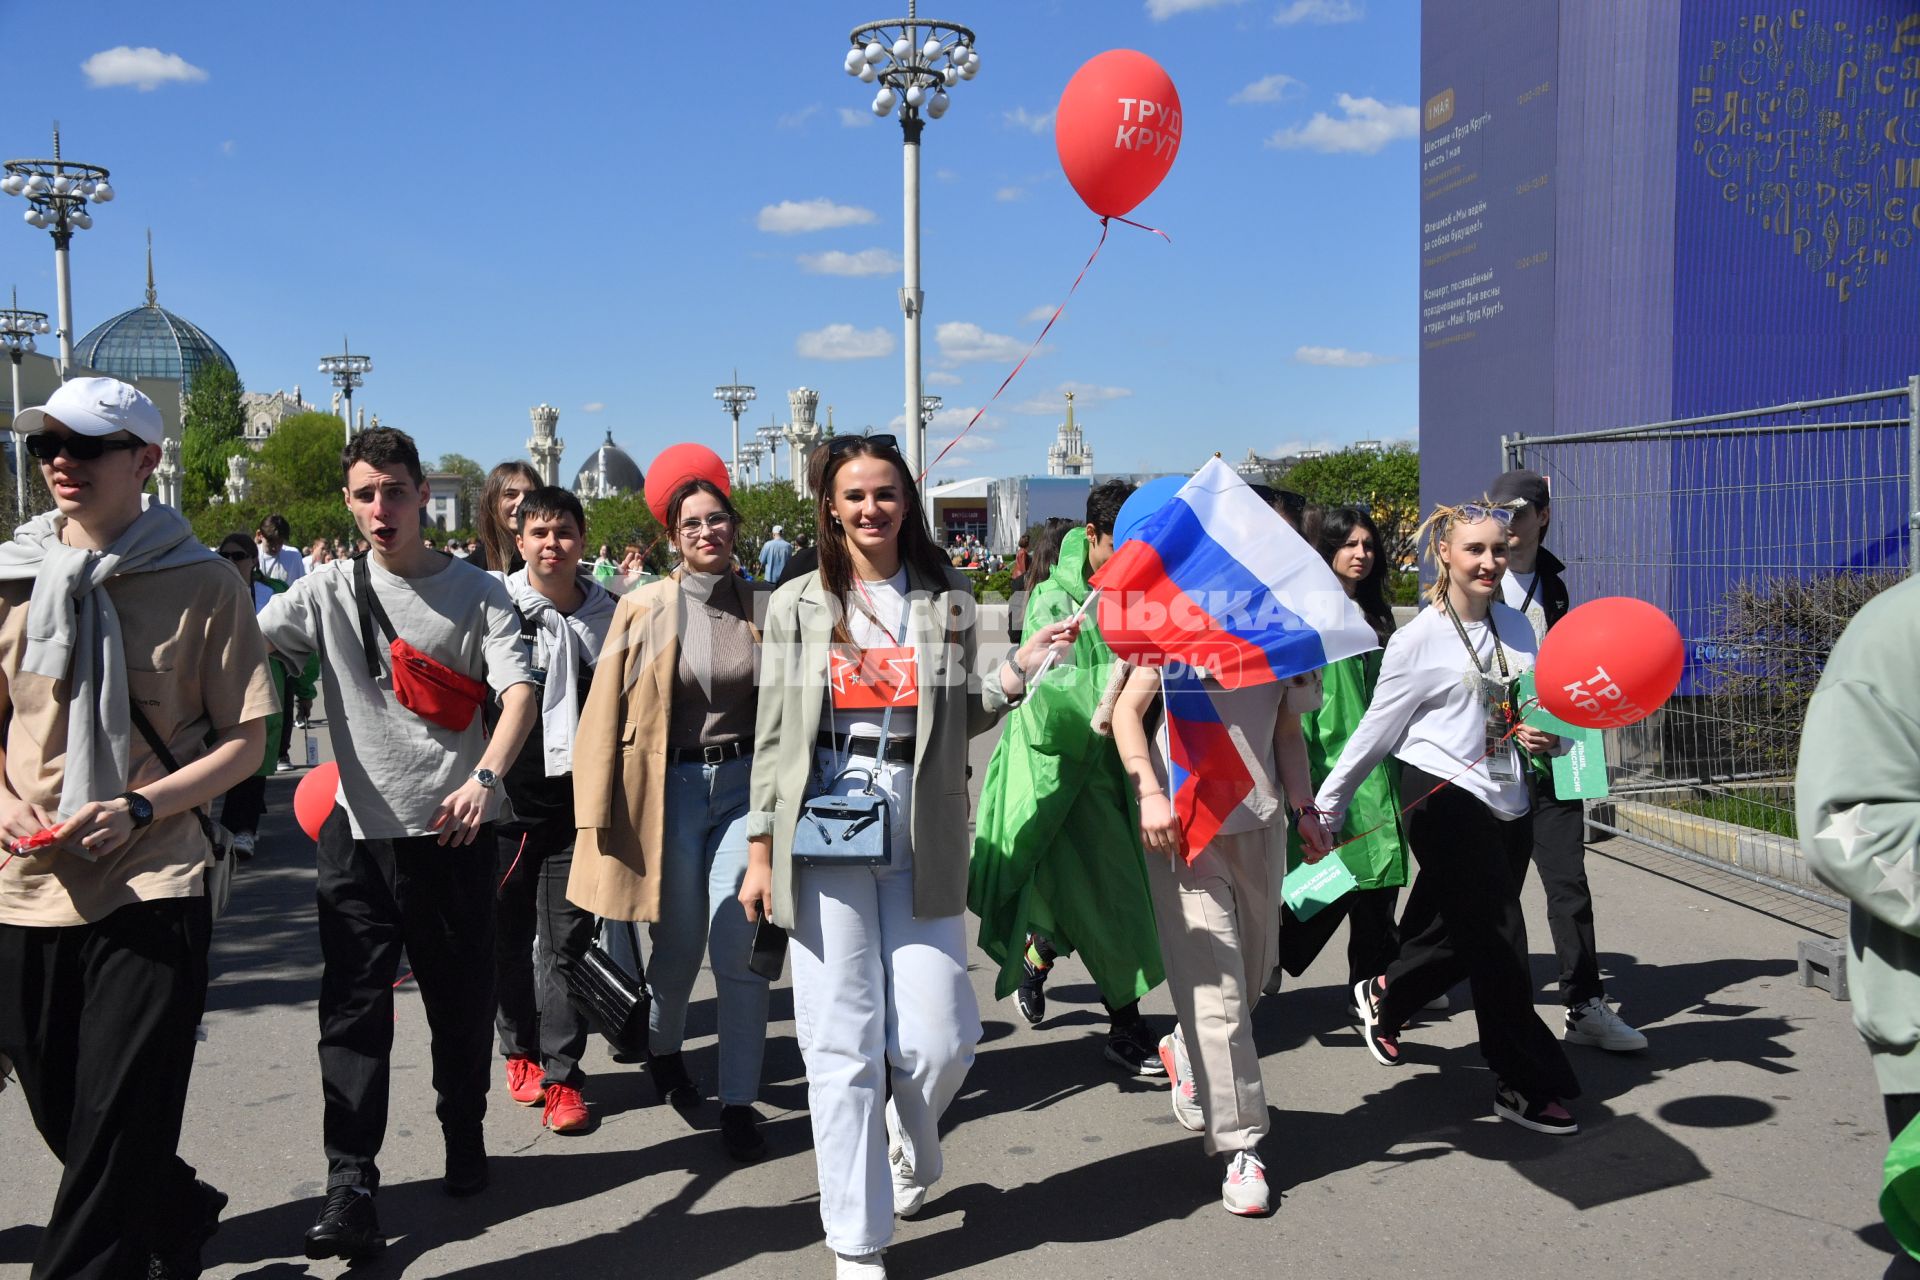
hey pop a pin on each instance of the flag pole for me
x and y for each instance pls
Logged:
(1046, 664)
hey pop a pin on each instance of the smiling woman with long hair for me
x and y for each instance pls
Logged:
(506, 484)
(870, 659)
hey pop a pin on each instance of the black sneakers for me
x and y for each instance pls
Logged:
(740, 1134)
(181, 1261)
(672, 1083)
(348, 1227)
(466, 1163)
(1134, 1048)
(1542, 1116)
(1384, 1045)
(1031, 994)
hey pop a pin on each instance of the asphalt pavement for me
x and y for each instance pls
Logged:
(1745, 1141)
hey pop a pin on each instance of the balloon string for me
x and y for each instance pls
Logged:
(1518, 724)
(921, 478)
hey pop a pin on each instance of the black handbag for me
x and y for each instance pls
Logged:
(614, 1003)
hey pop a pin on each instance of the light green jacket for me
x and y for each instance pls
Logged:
(955, 704)
(1859, 811)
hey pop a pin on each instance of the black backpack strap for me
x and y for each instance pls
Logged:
(370, 611)
(158, 746)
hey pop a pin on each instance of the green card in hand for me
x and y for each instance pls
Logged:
(1581, 773)
(1310, 887)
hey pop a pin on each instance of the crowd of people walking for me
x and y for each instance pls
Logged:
(531, 768)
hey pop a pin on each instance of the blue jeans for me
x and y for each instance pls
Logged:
(701, 866)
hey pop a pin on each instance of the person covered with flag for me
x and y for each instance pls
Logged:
(1230, 611)
(1446, 707)
(1056, 864)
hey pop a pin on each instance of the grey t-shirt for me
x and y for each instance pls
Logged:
(396, 767)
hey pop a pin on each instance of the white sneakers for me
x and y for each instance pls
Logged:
(1593, 1023)
(1186, 1104)
(907, 1198)
(1244, 1192)
(863, 1266)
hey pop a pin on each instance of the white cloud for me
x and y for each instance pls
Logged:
(844, 342)
(1161, 10)
(593, 406)
(792, 217)
(1340, 357)
(1007, 195)
(962, 342)
(1084, 394)
(798, 119)
(146, 69)
(1266, 89)
(1021, 118)
(941, 378)
(1318, 12)
(227, 148)
(855, 118)
(946, 175)
(1366, 125)
(1040, 314)
(835, 262)
(1294, 448)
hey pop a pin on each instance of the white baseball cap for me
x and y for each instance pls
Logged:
(776, 530)
(96, 407)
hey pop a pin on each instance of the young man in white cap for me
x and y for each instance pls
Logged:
(1533, 585)
(773, 556)
(133, 690)
(407, 858)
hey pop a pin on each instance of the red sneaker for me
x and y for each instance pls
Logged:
(524, 1081)
(566, 1111)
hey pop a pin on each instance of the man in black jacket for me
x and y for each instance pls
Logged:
(1534, 586)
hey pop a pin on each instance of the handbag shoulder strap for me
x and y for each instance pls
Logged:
(158, 746)
(370, 612)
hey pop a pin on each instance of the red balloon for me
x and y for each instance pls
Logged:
(1610, 663)
(1117, 130)
(677, 464)
(313, 798)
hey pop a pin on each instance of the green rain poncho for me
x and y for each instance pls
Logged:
(1056, 849)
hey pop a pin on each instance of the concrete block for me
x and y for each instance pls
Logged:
(1823, 964)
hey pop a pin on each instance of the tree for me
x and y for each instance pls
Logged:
(1385, 482)
(473, 482)
(296, 473)
(213, 429)
(763, 506)
(622, 519)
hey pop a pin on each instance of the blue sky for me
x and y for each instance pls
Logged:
(582, 204)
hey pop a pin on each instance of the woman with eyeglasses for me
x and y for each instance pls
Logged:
(661, 770)
(1446, 705)
(871, 662)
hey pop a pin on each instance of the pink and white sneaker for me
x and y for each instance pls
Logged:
(1244, 1192)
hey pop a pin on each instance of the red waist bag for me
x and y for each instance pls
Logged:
(425, 686)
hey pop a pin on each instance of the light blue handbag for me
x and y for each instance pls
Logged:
(853, 830)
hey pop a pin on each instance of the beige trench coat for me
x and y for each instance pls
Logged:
(955, 704)
(620, 754)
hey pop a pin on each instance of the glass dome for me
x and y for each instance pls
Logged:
(608, 470)
(150, 342)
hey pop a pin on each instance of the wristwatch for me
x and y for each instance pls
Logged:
(486, 778)
(139, 808)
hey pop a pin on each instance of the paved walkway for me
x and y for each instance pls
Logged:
(1744, 1142)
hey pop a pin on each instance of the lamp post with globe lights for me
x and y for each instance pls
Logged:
(734, 398)
(348, 371)
(905, 55)
(57, 193)
(771, 438)
(17, 329)
(929, 406)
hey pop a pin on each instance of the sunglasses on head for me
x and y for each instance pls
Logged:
(840, 444)
(1475, 512)
(46, 446)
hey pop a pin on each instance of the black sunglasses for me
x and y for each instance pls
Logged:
(238, 557)
(47, 446)
(840, 444)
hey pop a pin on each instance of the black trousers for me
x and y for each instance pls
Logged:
(241, 808)
(1560, 852)
(99, 1020)
(1463, 920)
(539, 937)
(378, 898)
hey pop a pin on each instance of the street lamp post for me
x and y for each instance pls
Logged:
(17, 329)
(929, 405)
(750, 454)
(57, 193)
(904, 54)
(771, 437)
(348, 371)
(734, 398)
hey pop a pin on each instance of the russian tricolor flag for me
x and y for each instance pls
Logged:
(1216, 580)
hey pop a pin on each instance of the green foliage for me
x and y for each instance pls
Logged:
(763, 506)
(997, 585)
(1773, 641)
(296, 473)
(473, 480)
(622, 519)
(213, 429)
(1386, 483)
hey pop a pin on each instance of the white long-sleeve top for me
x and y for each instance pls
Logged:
(1427, 711)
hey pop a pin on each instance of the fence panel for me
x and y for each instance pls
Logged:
(1761, 534)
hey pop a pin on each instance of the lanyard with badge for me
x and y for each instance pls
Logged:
(1496, 697)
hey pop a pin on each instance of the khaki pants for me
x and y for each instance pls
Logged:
(1219, 919)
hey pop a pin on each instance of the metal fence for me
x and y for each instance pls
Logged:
(1761, 533)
